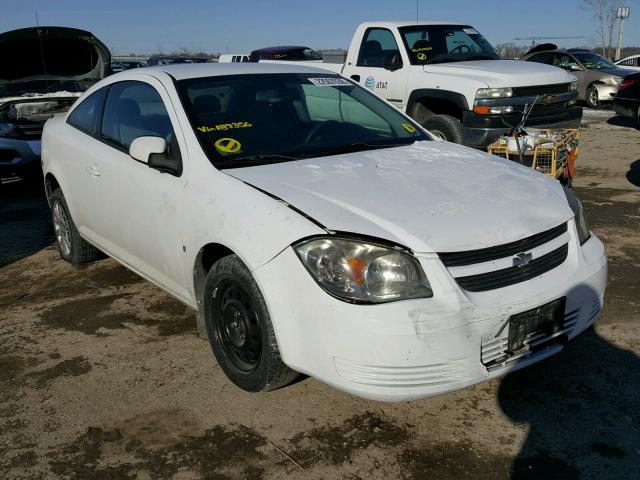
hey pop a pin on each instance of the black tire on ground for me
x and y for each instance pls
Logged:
(591, 97)
(445, 126)
(72, 247)
(240, 330)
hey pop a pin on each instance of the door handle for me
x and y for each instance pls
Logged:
(355, 77)
(93, 171)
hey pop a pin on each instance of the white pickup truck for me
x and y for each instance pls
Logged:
(451, 80)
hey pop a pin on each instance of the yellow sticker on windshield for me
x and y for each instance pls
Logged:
(421, 56)
(228, 145)
(221, 127)
(409, 128)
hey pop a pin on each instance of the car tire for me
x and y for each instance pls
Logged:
(240, 330)
(445, 127)
(71, 246)
(591, 97)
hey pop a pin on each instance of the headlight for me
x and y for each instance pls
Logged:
(358, 271)
(8, 129)
(494, 93)
(578, 212)
(573, 86)
(616, 80)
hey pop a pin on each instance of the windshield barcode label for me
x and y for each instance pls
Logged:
(330, 82)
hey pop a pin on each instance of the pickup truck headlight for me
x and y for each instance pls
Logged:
(362, 272)
(494, 93)
(8, 129)
(584, 232)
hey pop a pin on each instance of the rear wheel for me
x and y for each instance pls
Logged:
(72, 247)
(592, 98)
(444, 127)
(240, 330)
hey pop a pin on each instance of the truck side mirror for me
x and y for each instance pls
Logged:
(394, 62)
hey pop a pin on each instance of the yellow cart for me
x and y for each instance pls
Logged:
(554, 154)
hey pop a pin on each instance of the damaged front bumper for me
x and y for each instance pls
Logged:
(419, 348)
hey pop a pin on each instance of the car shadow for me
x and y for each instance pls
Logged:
(633, 175)
(620, 121)
(25, 220)
(582, 409)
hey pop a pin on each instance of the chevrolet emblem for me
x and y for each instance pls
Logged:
(522, 259)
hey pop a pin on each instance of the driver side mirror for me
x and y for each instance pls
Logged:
(575, 68)
(394, 63)
(142, 148)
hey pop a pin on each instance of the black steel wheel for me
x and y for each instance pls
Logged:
(240, 330)
(237, 326)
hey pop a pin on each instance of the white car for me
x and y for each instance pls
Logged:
(317, 229)
(632, 62)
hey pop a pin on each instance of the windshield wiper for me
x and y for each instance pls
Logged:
(356, 147)
(253, 160)
(481, 57)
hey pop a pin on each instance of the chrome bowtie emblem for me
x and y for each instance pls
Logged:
(522, 259)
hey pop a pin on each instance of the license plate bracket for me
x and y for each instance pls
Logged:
(547, 319)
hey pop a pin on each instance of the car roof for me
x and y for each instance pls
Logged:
(199, 70)
(409, 23)
(279, 49)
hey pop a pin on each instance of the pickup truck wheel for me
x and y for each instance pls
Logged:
(240, 330)
(592, 97)
(72, 247)
(445, 127)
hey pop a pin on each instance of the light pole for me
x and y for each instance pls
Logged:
(622, 13)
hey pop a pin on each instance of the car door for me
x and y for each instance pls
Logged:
(571, 65)
(380, 67)
(141, 215)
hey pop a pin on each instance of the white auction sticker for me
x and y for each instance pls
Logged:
(330, 82)
(470, 31)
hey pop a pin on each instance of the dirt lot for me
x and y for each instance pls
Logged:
(103, 377)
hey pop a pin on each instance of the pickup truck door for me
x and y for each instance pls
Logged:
(381, 67)
(141, 217)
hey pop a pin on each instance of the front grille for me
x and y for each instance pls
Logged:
(495, 353)
(546, 110)
(541, 90)
(470, 257)
(30, 130)
(509, 276)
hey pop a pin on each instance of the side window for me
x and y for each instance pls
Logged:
(379, 49)
(543, 58)
(564, 61)
(132, 110)
(85, 116)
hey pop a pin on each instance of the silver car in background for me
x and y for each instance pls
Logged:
(598, 78)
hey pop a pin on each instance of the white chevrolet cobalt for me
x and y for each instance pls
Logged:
(317, 229)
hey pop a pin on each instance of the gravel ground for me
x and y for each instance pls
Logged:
(102, 375)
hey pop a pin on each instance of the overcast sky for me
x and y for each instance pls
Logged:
(242, 25)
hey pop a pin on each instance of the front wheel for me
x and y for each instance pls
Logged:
(444, 127)
(593, 100)
(240, 330)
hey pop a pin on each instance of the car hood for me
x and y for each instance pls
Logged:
(429, 196)
(503, 73)
(32, 55)
(618, 72)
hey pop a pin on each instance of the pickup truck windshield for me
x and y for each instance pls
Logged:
(243, 120)
(428, 44)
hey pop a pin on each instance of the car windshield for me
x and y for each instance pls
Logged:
(428, 44)
(593, 61)
(245, 120)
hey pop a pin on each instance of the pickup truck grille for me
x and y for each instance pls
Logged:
(504, 277)
(541, 90)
